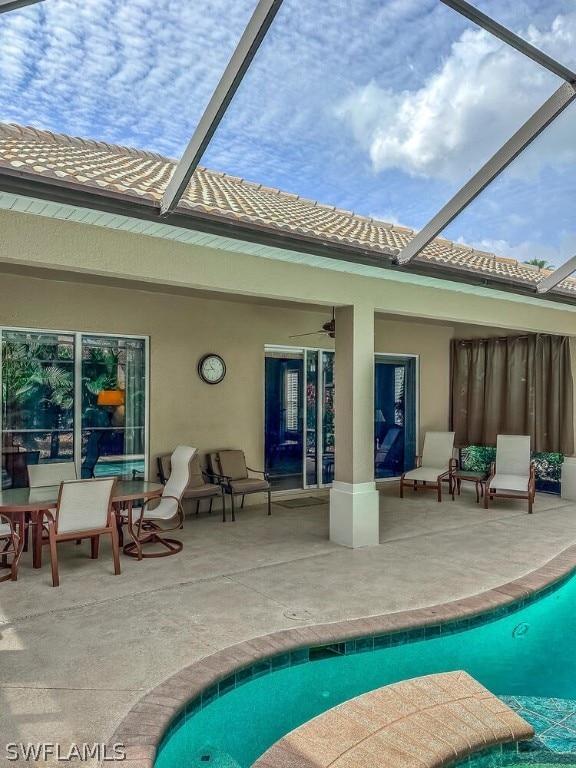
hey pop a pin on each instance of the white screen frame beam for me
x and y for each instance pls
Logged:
(557, 276)
(513, 40)
(532, 128)
(13, 5)
(241, 59)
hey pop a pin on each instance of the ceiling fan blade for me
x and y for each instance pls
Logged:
(312, 333)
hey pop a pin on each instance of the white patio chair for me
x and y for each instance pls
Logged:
(83, 511)
(148, 526)
(434, 466)
(41, 475)
(512, 474)
(9, 546)
(55, 473)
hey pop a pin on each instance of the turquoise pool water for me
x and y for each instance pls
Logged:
(530, 652)
(109, 468)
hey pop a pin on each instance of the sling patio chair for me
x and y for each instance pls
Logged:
(512, 474)
(83, 511)
(9, 547)
(148, 526)
(41, 475)
(50, 473)
(434, 466)
(230, 470)
(198, 488)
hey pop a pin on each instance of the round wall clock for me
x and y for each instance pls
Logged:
(211, 368)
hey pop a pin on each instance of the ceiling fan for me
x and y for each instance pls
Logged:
(328, 328)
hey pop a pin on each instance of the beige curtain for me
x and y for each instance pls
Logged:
(517, 385)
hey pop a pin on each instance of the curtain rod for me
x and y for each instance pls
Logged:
(506, 338)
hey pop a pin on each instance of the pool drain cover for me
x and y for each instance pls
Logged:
(299, 615)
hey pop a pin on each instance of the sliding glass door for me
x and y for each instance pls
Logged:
(72, 397)
(299, 417)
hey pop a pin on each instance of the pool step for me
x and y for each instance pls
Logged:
(426, 722)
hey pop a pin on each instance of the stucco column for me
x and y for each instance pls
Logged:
(354, 512)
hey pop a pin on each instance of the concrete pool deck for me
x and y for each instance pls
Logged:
(77, 658)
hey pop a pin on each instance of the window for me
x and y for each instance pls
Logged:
(72, 397)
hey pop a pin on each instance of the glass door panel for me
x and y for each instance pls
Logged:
(312, 405)
(283, 444)
(327, 417)
(113, 406)
(37, 402)
(394, 415)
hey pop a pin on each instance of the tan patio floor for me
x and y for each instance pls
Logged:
(73, 660)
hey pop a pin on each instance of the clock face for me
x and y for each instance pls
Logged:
(212, 368)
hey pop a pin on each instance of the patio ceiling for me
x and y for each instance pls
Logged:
(256, 29)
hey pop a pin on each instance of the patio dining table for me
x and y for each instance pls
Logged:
(18, 503)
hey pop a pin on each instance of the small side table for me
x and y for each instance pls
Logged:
(478, 478)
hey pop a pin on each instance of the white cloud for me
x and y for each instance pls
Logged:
(479, 96)
(529, 249)
(148, 66)
(389, 217)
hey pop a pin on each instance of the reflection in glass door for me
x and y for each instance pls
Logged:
(394, 415)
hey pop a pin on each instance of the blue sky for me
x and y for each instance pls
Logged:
(383, 107)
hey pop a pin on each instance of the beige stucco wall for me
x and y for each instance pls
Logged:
(181, 329)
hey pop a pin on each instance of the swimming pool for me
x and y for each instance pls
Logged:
(528, 652)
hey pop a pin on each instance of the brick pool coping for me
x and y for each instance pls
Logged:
(143, 728)
(433, 721)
